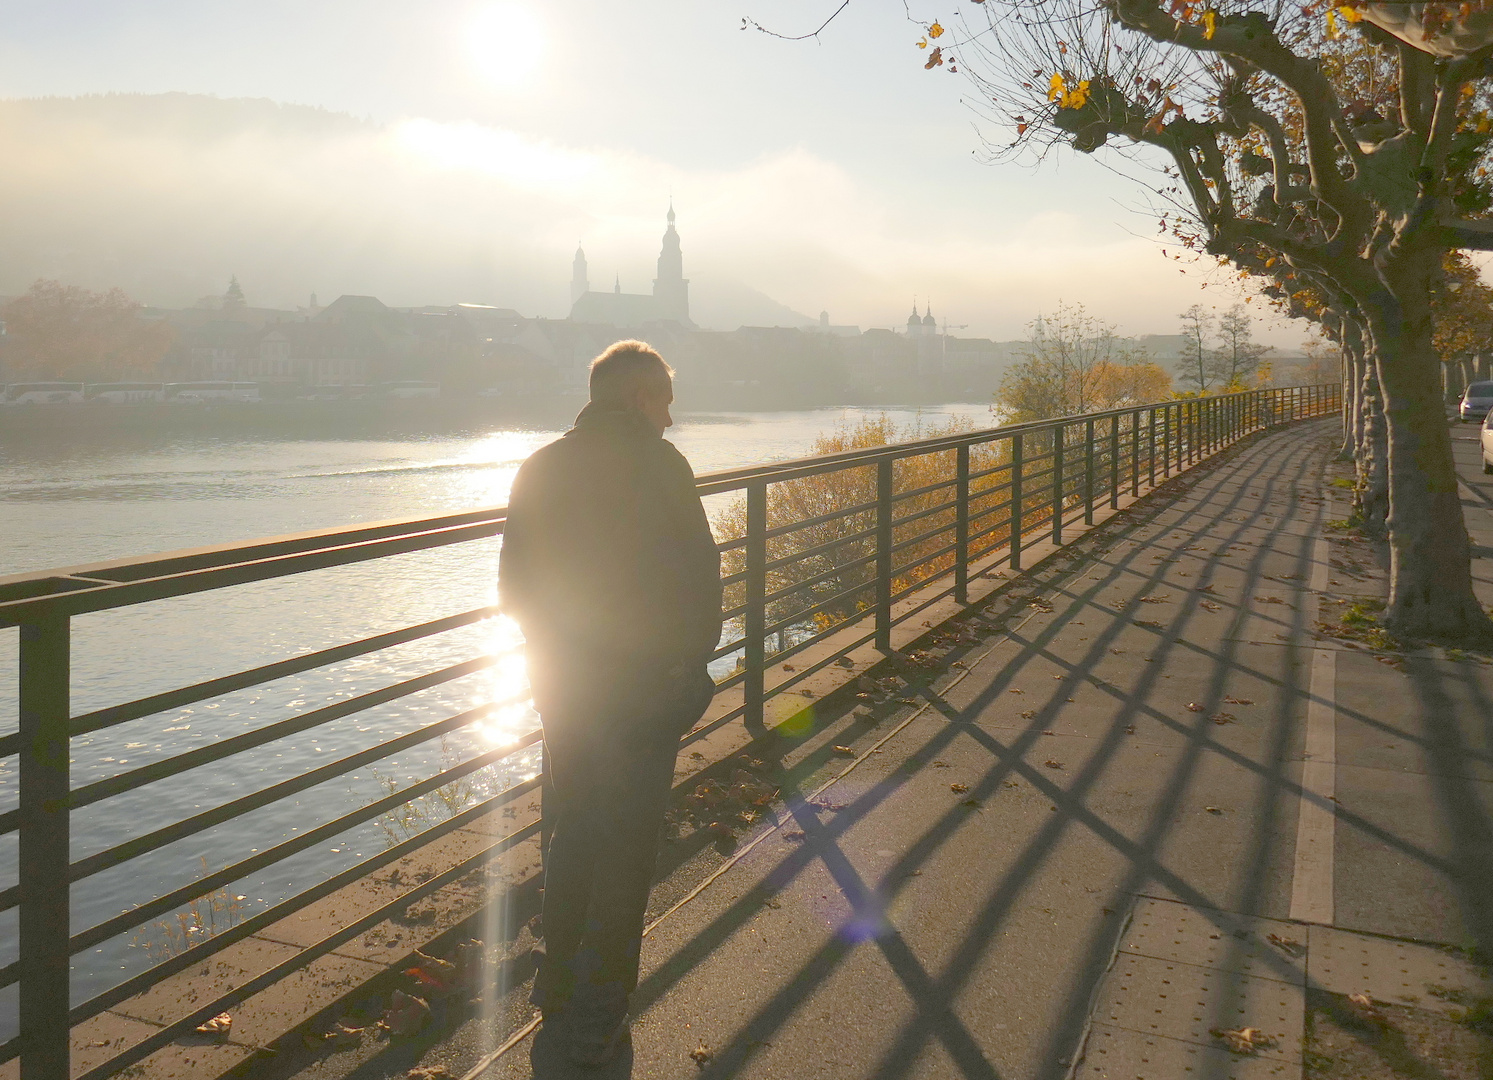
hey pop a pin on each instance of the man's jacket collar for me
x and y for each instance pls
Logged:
(627, 422)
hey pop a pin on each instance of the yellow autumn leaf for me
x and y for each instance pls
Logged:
(1269, 262)
(1210, 24)
(923, 44)
(1057, 87)
(1332, 22)
(1076, 98)
(1351, 14)
(935, 31)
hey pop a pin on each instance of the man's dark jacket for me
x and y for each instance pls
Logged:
(607, 555)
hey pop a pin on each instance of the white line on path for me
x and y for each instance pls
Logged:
(1311, 882)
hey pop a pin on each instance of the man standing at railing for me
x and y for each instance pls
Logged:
(609, 567)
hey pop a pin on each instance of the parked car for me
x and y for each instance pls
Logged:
(201, 393)
(43, 393)
(1487, 440)
(1476, 403)
(124, 393)
(409, 388)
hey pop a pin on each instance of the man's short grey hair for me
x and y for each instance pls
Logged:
(617, 371)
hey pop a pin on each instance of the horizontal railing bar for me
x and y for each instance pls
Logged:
(952, 504)
(822, 519)
(169, 834)
(172, 699)
(819, 549)
(923, 536)
(186, 582)
(117, 584)
(255, 923)
(202, 886)
(310, 953)
(899, 571)
(248, 740)
(901, 495)
(823, 605)
(817, 578)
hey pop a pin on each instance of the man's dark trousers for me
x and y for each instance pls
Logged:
(611, 737)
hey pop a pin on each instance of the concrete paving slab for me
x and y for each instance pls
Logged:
(1222, 940)
(1116, 1054)
(1186, 1001)
(1426, 976)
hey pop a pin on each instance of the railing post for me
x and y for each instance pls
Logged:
(961, 524)
(884, 554)
(1088, 471)
(44, 850)
(1166, 441)
(1058, 438)
(756, 606)
(1192, 429)
(1151, 451)
(1114, 462)
(1135, 454)
(1017, 514)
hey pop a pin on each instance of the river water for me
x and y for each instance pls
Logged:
(89, 494)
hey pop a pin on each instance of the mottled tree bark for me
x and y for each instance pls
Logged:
(1430, 593)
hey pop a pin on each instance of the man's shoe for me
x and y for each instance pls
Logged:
(598, 1023)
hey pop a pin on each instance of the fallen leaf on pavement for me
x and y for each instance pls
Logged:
(958, 789)
(700, 1055)
(218, 1026)
(1209, 605)
(1269, 600)
(1286, 945)
(1158, 598)
(1051, 764)
(1238, 701)
(1243, 1040)
(1193, 706)
(844, 751)
(1013, 690)
(406, 1015)
(1213, 809)
(344, 1034)
(433, 973)
(1223, 718)
(1029, 714)
(429, 1072)
(1363, 1007)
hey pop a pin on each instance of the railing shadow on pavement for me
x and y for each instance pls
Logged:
(990, 497)
(932, 995)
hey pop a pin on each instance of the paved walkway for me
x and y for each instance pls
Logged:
(1112, 761)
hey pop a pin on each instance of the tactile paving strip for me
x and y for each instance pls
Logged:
(1218, 939)
(1343, 962)
(1113, 1054)
(1186, 1001)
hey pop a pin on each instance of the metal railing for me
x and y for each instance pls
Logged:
(828, 554)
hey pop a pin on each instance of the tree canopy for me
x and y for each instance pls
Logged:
(57, 331)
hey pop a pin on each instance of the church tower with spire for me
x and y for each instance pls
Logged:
(671, 288)
(580, 285)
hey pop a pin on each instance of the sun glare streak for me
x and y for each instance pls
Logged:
(507, 682)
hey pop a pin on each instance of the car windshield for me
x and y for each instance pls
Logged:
(1480, 390)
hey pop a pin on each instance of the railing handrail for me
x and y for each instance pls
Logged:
(117, 583)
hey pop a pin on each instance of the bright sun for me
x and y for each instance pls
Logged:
(505, 42)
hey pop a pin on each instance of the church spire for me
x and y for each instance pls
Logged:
(670, 288)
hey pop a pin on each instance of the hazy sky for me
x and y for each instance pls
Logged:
(834, 175)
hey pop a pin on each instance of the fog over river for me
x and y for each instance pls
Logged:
(90, 493)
